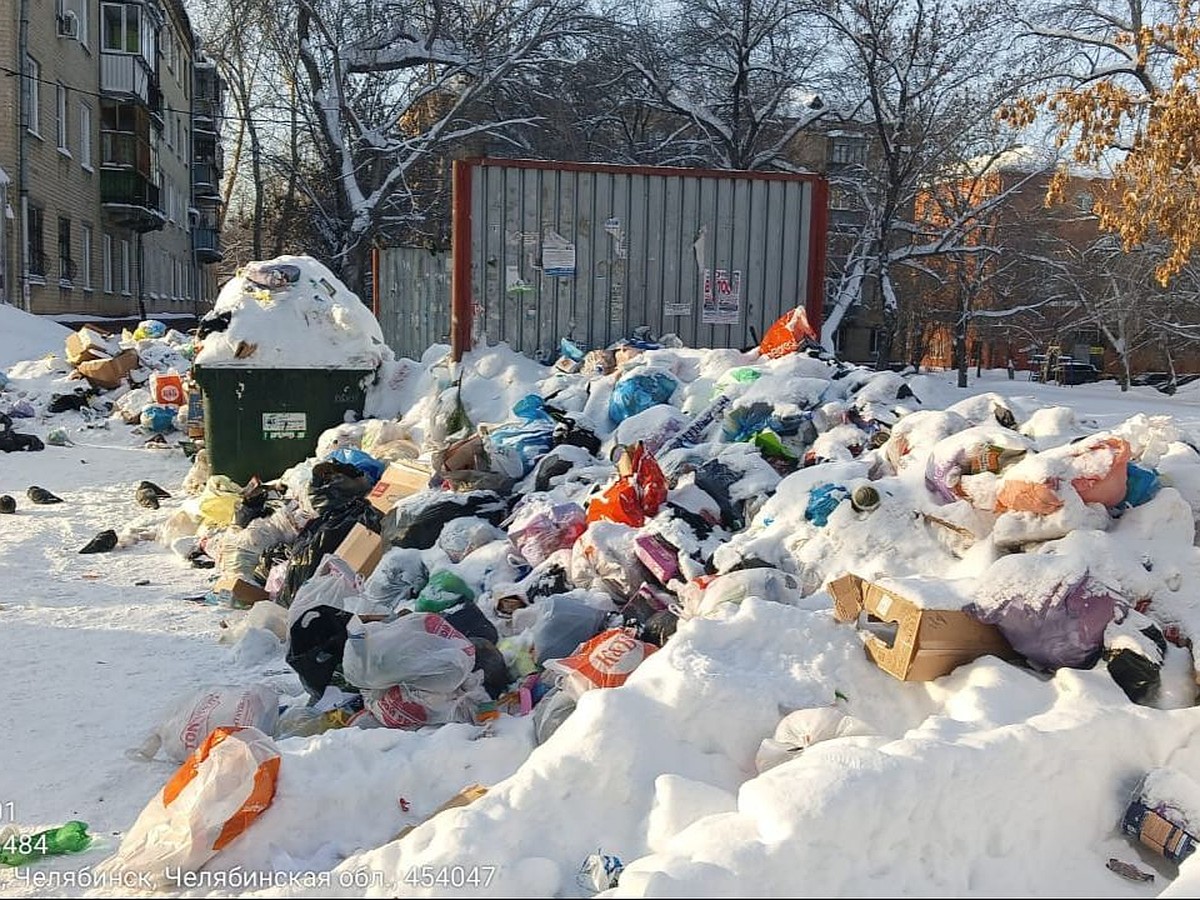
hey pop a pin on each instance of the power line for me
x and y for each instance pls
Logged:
(169, 109)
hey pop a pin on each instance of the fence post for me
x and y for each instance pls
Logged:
(461, 307)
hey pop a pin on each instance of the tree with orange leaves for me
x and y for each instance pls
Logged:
(1133, 104)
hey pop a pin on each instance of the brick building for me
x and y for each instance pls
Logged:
(113, 107)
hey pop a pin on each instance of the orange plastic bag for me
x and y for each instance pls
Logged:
(607, 660)
(787, 334)
(211, 799)
(639, 492)
(1107, 486)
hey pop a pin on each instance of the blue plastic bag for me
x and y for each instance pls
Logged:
(638, 392)
(822, 501)
(515, 449)
(370, 466)
(570, 350)
(1141, 484)
(150, 328)
(532, 408)
(158, 418)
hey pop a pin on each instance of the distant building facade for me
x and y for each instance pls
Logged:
(107, 168)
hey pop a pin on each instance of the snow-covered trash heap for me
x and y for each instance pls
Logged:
(522, 534)
(290, 312)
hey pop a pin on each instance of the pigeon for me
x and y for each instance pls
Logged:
(101, 543)
(7, 504)
(42, 496)
(148, 494)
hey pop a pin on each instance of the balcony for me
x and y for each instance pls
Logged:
(125, 75)
(207, 244)
(206, 179)
(206, 115)
(130, 200)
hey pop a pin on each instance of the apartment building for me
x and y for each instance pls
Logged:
(100, 214)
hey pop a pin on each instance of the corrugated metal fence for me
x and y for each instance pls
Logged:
(413, 299)
(594, 252)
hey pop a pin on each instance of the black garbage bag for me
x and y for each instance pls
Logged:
(213, 322)
(490, 661)
(471, 622)
(336, 484)
(276, 553)
(77, 400)
(321, 536)
(11, 441)
(715, 478)
(315, 644)
(417, 521)
(1138, 675)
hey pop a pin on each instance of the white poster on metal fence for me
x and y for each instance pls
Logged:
(558, 256)
(722, 298)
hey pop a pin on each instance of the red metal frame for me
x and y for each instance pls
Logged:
(818, 241)
(461, 304)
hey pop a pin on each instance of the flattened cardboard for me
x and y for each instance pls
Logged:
(929, 643)
(88, 344)
(465, 797)
(399, 480)
(109, 373)
(239, 593)
(361, 550)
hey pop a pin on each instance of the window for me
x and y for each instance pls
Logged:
(82, 13)
(85, 233)
(120, 25)
(85, 136)
(66, 265)
(106, 266)
(60, 96)
(33, 95)
(35, 243)
(124, 267)
(846, 152)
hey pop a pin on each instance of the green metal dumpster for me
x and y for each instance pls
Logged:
(263, 421)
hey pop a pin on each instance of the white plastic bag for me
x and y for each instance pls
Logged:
(397, 579)
(603, 559)
(333, 583)
(207, 804)
(420, 650)
(799, 730)
(191, 720)
(730, 589)
(401, 706)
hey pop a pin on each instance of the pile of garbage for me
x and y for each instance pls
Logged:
(138, 377)
(447, 566)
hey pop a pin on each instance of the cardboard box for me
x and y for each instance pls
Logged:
(109, 373)
(237, 592)
(361, 550)
(929, 640)
(88, 344)
(465, 797)
(399, 480)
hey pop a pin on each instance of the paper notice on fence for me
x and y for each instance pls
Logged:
(558, 256)
(722, 298)
(677, 308)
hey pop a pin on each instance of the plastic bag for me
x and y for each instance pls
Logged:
(417, 521)
(158, 418)
(219, 500)
(822, 501)
(1051, 612)
(787, 334)
(333, 584)
(193, 718)
(149, 328)
(557, 625)
(799, 730)
(361, 460)
(209, 801)
(552, 710)
(442, 591)
(540, 527)
(705, 596)
(420, 650)
(1095, 467)
(638, 493)
(397, 579)
(515, 449)
(639, 391)
(607, 660)
(462, 537)
(403, 706)
(337, 484)
(975, 451)
(604, 559)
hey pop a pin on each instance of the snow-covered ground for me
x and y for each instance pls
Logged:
(990, 781)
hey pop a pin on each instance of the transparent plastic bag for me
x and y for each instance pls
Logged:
(420, 650)
(193, 718)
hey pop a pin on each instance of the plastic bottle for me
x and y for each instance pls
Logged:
(19, 849)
